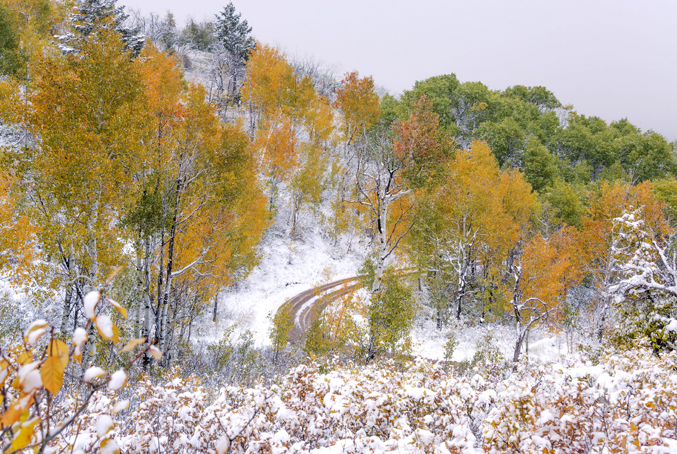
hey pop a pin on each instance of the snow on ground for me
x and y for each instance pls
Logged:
(429, 342)
(287, 268)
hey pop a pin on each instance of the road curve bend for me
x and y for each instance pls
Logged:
(306, 306)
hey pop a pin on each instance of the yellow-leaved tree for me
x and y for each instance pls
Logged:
(87, 114)
(467, 227)
(199, 213)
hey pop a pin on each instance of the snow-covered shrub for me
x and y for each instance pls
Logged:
(627, 403)
(645, 295)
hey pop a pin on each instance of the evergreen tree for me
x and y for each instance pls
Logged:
(234, 34)
(233, 46)
(91, 14)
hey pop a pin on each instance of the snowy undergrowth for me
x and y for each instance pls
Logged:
(429, 341)
(626, 403)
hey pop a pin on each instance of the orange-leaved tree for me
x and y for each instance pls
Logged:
(598, 236)
(390, 166)
(540, 274)
(272, 88)
(358, 104)
(199, 212)
(279, 148)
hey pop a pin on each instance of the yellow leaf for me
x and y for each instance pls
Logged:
(113, 274)
(133, 343)
(106, 327)
(24, 437)
(117, 307)
(13, 413)
(60, 349)
(25, 357)
(109, 446)
(52, 374)
(116, 334)
(155, 352)
(4, 372)
(39, 327)
(122, 405)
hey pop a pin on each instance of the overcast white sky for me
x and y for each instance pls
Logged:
(610, 58)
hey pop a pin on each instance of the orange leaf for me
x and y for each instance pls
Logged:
(13, 413)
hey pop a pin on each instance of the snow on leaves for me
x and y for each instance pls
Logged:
(626, 403)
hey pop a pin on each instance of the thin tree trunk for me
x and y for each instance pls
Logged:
(170, 268)
(382, 250)
(65, 316)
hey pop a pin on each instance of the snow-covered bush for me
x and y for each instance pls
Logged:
(626, 403)
(645, 295)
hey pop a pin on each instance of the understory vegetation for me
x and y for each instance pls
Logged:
(147, 168)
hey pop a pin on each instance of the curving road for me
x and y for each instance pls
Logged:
(305, 307)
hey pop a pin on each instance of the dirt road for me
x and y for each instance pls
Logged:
(306, 306)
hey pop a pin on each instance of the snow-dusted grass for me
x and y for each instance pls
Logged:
(543, 346)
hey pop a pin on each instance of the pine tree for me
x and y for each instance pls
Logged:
(233, 47)
(91, 14)
(234, 34)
